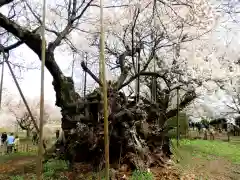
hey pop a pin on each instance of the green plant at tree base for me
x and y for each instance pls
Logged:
(50, 171)
(17, 178)
(55, 165)
(141, 175)
(136, 175)
(52, 168)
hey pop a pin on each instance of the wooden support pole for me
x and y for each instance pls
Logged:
(1, 85)
(154, 78)
(43, 57)
(85, 78)
(138, 71)
(104, 88)
(178, 135)
(22, 96)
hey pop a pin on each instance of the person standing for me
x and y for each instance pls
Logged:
(10, 143)
(57, 134)
(3, 142)
(34, 138)
(16, 143)
(3, 138)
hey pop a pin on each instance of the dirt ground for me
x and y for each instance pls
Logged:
(189, 165)
(213, 169)
(17, 165)
(210, 164)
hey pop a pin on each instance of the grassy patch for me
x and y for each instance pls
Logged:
(53, 170)
(205, 159)
(215, 148)
(139, 175)
(209, 149)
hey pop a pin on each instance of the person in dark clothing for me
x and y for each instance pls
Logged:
(57, 134)
(35, 138)
(4, 138)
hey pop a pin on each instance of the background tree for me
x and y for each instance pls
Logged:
(23, 119)
(162, 39)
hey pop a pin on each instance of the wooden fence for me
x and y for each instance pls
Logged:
(193, 134)
(22, 148)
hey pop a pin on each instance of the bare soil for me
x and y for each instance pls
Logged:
(17, 165)
(210, 169)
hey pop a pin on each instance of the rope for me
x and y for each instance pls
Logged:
(40, 145)
(103, 80)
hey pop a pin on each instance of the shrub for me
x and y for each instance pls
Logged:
(141, 175)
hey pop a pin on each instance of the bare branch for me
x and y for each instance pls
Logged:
(52, 45)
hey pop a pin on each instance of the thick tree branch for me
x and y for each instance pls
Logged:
(141, 74)
(4, 2)
(85, 68)
(188, 97)
(13, 46)
(33, 41)
(72, 18)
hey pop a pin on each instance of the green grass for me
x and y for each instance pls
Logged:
(139, 175)
(205, 148)
(52, 170)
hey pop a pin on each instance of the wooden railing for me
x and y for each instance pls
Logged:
(22, 148)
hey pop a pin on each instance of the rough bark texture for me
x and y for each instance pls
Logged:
(135, 138)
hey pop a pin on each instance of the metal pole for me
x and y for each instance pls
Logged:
(43, 57)
(1, 85)
(103, 78)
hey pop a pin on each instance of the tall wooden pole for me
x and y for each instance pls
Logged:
(40, 144)
(178, 137)
(154, 79)
(73, 63)
(138, 71)
(22, 96)
(103, 80)
(1, 85)
(85, 77)
(5, 60)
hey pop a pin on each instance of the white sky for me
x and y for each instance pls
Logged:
(29, 80)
